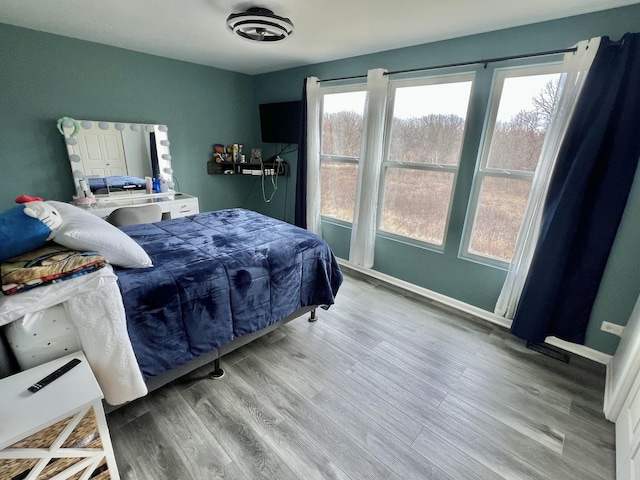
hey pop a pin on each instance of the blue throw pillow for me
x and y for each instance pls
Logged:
(20, 233)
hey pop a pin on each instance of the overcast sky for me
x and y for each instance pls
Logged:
(446, 99)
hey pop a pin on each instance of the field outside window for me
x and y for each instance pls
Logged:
(426, 130)
(341, 135)
(523, 102)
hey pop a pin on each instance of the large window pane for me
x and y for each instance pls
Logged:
(342, 123)
(428, 123)
(520, 116)
(338, 195)
(524, 112)
(498, 217)
(416, 203)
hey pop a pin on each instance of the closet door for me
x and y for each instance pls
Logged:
(628, 436)
(622, 398)
(101, 151)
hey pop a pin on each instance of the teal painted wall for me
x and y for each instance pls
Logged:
(44, 77)
(445, 272)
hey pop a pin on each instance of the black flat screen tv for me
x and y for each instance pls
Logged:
(280, 122)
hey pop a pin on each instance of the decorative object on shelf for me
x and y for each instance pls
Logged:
(219, 153)
(260, 25)
(256, 155)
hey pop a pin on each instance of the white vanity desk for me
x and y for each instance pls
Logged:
(174, 204)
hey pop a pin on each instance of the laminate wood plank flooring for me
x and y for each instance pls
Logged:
(385, 385)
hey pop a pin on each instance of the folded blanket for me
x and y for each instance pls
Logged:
(102, 328)
(49, 264)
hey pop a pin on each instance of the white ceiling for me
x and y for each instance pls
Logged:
(195, 30)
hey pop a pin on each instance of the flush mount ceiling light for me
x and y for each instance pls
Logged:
(260, 25)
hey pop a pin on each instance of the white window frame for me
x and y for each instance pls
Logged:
(386, 164)
(358, 87)
(481, 170)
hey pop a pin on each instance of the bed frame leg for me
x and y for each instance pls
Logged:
(313, 317)
(217, 371)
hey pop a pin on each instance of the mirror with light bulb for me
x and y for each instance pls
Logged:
(115, 158)
(119, 163)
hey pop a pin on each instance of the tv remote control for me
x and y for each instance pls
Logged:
(53, 376)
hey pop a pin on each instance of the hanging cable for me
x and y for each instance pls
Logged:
(275, 171)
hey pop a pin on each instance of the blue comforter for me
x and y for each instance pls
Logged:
(217, 276)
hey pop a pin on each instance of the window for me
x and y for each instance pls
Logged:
(426, 121)
(341, 133)
(522, 104)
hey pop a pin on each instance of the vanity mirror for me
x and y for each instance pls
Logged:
(114, 158)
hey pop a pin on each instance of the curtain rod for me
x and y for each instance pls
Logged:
(462, 64)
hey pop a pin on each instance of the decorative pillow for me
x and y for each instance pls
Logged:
(46, 214)
(26, 227)
(82, 230)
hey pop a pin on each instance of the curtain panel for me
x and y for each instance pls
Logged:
(300, 210)
(363, 233)
(586, 198)
(308, 192)
(576, 66)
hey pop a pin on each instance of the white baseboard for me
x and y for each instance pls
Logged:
(477, 312)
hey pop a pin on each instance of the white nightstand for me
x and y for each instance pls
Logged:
(59, 431)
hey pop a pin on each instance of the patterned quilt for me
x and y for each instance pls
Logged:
(49, 264)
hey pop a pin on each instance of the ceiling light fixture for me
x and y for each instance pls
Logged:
(260, 25)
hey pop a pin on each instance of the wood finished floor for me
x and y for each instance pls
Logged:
(381, 387)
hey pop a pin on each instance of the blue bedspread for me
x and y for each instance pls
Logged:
(217, 276)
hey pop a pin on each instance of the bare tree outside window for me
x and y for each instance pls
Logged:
(341, 136)
(425, 143)
(424, 147)
(507, 173)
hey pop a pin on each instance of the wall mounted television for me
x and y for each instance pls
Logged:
(280, 122)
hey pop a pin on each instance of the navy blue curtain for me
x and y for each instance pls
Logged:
(587, 196)
(300, 215)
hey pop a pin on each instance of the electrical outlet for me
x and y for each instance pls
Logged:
(612, 328)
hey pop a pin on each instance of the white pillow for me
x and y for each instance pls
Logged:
(84, 231)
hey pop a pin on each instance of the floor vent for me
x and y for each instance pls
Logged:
(549, 351)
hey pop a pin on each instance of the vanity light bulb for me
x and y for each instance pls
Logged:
(162, 128)
(166, 156)
(78, 174)
(74, 158)
(166, 143)
(71, 141)
(148, 128)
(67, 124)
(103, 125)
(120, 126)
(168, 170)
(85, 124)
(135, 127)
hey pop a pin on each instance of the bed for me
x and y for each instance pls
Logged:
(219, 279)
